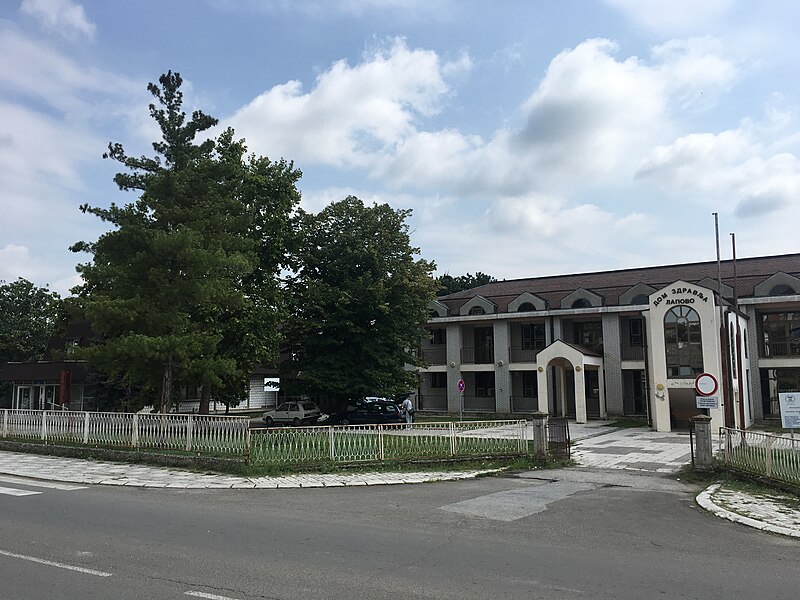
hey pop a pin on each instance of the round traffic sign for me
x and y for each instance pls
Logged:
(461, 385)
(705, 384)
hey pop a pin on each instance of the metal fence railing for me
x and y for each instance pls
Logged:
(193, 433)
(774, 456)
(354, 443)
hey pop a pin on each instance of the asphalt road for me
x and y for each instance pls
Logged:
(487, 538)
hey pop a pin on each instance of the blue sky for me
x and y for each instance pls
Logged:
(529, 138)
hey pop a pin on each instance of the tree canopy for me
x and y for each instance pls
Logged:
(29, 315)
(184, 287)
(450, 285)
(359, 297)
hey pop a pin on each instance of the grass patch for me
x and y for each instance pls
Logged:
(773, 427)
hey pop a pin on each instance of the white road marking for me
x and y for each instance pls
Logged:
(50, 563)
(209, 596)
(67, 487)
(16, 492)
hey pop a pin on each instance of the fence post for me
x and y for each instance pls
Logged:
(452, 439)
(769, 456)
(380, 441)
(44, 425)
(135, 432)
(330, 443)
(189, 423)
(540, 447)
(521, 440)
(86, 428)
(703, 452)
(5, 423)
(248, 456)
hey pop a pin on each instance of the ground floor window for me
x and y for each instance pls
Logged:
(633, 392)
(484, 384)
(529, 384)
(438, 380)
(775, 381)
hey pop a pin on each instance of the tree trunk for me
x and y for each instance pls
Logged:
(205, 400)
(166, 386)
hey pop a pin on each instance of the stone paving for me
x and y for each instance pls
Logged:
(75, 470)
(634, 449)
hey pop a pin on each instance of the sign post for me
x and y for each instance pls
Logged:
(790, 412)
(461, 387)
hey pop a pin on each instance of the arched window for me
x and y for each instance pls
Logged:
(581, 303)
(477, 310)
(640, 299)
(683, 343)
(782, 290)
(526, 307)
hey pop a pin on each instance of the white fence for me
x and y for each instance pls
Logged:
(353, 443)
(192, 433)
(773, 456)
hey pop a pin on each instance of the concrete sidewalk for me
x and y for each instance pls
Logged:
(75, 470)
(775, 512)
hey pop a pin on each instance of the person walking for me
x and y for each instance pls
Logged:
(408, 410)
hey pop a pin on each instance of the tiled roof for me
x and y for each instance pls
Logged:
(611, 284)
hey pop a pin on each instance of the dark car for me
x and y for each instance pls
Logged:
(361, 412)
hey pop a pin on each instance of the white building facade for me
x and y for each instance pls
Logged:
(621, 343)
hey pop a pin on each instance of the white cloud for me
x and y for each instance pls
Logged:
(63, 17)
(352, 113)
(673, 17)
(738, 167)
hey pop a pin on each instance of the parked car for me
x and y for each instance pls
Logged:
(370, 411)
(295, 413)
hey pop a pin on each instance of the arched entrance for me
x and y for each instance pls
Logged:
(580, 391)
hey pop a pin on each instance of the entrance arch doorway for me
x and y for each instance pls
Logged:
(580, 388)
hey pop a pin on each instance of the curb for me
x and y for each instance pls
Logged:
(705, 501)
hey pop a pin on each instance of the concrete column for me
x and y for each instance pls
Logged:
(580, 395)
(562, 373)
(539, 421)
(612, 364)
(754, 337)
(502, 379)
(703, 446)
(601, 385)
(541, 385)
(454, 344)
(557, 388)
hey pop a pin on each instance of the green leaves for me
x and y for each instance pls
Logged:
(29, 316)
(191, 267)
(359, 296)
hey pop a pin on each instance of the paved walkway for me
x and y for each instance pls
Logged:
(768, 511)
(633, 449)
(75, 470)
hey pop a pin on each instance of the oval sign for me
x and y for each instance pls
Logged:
(705, 384)
(461, 385)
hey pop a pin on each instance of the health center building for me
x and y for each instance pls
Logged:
(631, 342)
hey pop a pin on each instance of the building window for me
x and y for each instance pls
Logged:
(683, 343)
(477, 310)
(782, 290)
(533, 336)
(781, 334)
(484, 385)
(733, 353)
(589, 334)
(636, 332)
(438, 380)
(581, 303)
(484, 345)
(529, 386)
(526, 307)
(640, 299)
(438, 336)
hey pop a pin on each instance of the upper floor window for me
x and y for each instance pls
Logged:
(477, 310)
(533, 336)
(438, 336)
(526, 307)
(589, 334)
(581, 303)
(781, 334)
(782, 290)
(640, 299)
(636, 332)
(683, 343)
